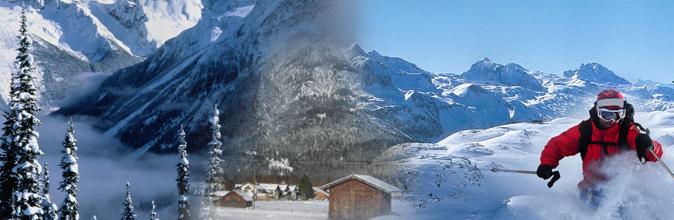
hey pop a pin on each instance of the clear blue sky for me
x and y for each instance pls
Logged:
(633, 38)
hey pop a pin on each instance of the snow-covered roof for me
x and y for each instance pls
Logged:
(369, 180)
(243, 195)
(319, 190)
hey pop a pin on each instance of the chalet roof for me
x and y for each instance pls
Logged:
(317, 190)
(369, 180)
(243, 195)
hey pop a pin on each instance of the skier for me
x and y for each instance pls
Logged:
(609, 131)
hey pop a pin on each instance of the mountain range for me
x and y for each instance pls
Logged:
(288, 81)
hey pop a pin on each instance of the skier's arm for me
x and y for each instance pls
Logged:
(563, 145)
(657, 148)
(640, 140)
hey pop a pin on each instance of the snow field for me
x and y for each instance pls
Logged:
(453, 177)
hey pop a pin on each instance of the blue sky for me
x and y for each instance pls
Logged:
(633, 38)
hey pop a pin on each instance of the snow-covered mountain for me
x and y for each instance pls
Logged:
(452, 177)
(289, 87)
(278, 72)
(73, 39)
(512, 74)
(428, 106)
(596, 73)
(237, 47)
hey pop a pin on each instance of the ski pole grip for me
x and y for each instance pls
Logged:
(555, 177)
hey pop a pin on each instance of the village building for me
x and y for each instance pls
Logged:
(268, 191)
(235, 199)
(359, 197)
(320, 194)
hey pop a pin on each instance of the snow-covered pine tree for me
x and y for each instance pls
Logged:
(71, 176)
(7, 155)
(153, 212)
(183, 178)
(128, 206)
(21, 136)
(94, 217)
(8, 182)
(48, 207)
(214, 174)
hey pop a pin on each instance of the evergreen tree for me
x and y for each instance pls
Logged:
(48, 208)
(305, 188)
(128, 206)
(183, 178)
(20, 137)
(153, 212)
(94, 217)
(214, 174)
(8, 182)
(71, 176)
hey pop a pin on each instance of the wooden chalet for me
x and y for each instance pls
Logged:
(232, 199)
(359, 197)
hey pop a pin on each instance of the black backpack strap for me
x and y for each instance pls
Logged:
(585, 128)
(622, 135)
(625, 126)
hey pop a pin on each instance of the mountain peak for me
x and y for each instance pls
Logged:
(356, 50)
(486, 71)
(596, 73)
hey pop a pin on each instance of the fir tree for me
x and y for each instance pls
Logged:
(153, 212)
(305, 188)
(8, 182)
(71, 176)
(20, 140)
(183, 178)
(214, 172)
(128, 206)
(48, 208)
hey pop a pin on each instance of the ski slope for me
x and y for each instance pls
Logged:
(451, 179)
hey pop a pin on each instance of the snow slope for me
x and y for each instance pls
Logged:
(451, 178)
(76, 38)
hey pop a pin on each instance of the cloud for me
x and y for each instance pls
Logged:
(89, 82)
(104, 170)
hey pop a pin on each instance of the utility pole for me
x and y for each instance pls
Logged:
(254, 188)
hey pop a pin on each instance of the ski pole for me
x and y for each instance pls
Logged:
(664, 165)
(555, 174)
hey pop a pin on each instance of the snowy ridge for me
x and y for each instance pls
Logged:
(452, 177)
(596, 73)
(429, 106)
(74, 39)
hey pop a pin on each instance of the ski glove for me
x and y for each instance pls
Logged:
(644, 146)
(544, 171)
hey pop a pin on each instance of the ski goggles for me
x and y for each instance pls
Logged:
(610, 114)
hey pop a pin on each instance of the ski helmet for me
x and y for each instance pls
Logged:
(610, 105)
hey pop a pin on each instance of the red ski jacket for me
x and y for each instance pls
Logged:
(566, 144)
